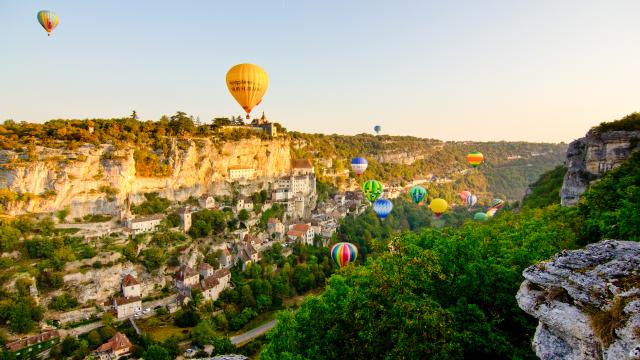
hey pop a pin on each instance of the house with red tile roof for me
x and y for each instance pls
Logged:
(118, 346)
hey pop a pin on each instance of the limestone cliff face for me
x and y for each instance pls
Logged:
(81, 179)
(593, 155)
(579, 293)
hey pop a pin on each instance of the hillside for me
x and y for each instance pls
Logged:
(509, 166)
(92, 166)
(450, 293)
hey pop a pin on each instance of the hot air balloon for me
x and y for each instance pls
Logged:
(359, 165)
(497, 203)
(344, 253)
(372, 189)
(438, 206)
(383, 208)
(377, 129)
(471, 200)
(48, 19)
(475, 158)
(247, 83)
(480, 216)
(491, 212)
(417, 193)
(464, 195)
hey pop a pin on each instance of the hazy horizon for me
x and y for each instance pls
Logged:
(458, 71)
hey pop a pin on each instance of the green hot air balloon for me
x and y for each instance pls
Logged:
(418, 193)
(372, 190)
(480, 216)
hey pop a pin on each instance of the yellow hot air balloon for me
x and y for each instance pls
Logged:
(438, 206)
(247, 83)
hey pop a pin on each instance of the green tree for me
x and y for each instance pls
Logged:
(156, 352)
(203, 333)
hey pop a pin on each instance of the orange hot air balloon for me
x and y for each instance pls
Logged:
(247, 83)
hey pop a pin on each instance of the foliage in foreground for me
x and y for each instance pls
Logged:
(450, 294)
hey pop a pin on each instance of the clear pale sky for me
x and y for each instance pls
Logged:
(454, 70)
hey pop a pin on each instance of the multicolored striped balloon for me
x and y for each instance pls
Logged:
(383, 208)
(417, 193)
(372, 189)
(359, 165)
(344, 253)
(497, 203)
(48, 19)
(492, 211)
(464, 195)
(471, 200)
(475, 158)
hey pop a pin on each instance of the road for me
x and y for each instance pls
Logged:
(253, 333)
(81, 329)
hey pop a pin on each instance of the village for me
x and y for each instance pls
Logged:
(142, 293)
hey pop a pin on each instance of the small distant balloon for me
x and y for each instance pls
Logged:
(372, 189)
(383, 208)
(471, 200)
(492, 211)
(48, 19)
(418, 193)
(359, 165)
(480, 216)
(344, 253)
(438, 206)
(464, 195)
(377, 129)
(497, 203)
(475, 158)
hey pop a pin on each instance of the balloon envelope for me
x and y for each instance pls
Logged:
(344, 253)
(372, 189)
(497, 203)
(475, 158)
(417, 193)
(247, 83)
(480, 216)
(491, 212)
(48, 19)
(438, 206)
(383, 208)
(359, 165)
(377, 129)
(471, 200)
(464, 195)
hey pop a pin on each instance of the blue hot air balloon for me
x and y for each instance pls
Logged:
(377, 129)
(383, 208)
(359, 165)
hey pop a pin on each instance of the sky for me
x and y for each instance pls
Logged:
(542, 70)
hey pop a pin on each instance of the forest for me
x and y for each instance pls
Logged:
(448, 293)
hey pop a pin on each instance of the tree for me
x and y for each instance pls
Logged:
(243, 215)
(94, 338)
(156, 352)
(62, 214)
(203, 333)
(20, 317)
(107, 319)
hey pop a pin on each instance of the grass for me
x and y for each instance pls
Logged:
(257, 321)
(161, 328)
(605, 323)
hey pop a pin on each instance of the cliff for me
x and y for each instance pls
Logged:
(587, 302)
(97, 179)
(593, 155)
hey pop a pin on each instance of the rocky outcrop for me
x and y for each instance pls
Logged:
(587, 302)
(85, 179)
(590, 157)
